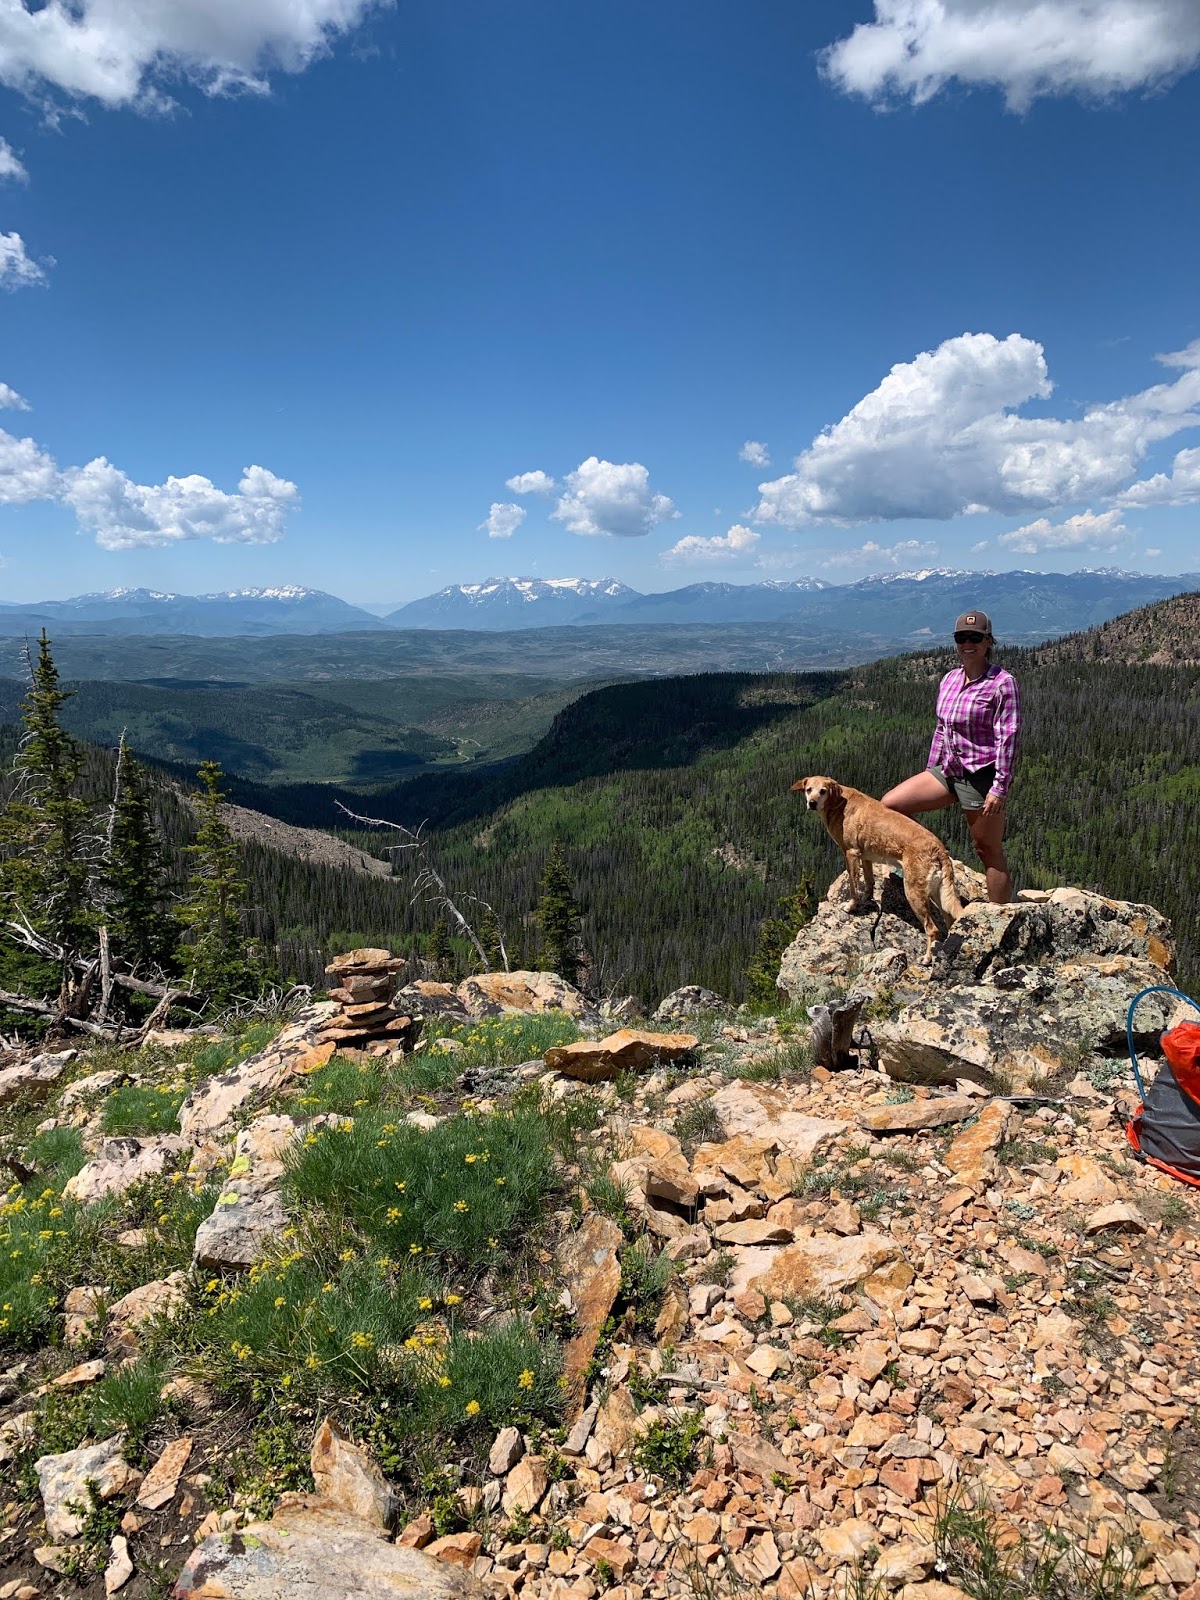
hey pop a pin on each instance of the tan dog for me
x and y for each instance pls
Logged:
(867, 833)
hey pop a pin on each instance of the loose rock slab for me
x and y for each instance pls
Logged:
(497, 993)
(349, 1479)
(761, 1109)
(914, 1114)
(627, 1050)
(120, 1163)
(592, 1276)
(306, 1554)
(33, 1078)
(64, 1478)
(237, 1235)
(826, 1264)
(211, 1107)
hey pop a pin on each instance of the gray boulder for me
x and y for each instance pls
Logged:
(1017, 995)
(691, 1001)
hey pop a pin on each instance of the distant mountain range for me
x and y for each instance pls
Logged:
(249, 612)
(504, 603)
(904, 607)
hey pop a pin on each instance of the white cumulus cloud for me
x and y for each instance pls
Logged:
(614, 499)
(26, 471)
(739, 541)
(503, 520)
(1090, 530)
(1179, 487)
(902, 554)
(122, 52)
(941, 437)
(1025, 48)
(124, 515)
(755, 453)
(11, 166)
(531, 483)
(10, 400)
(18, 270)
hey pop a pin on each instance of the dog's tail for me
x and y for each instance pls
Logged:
(942, 883)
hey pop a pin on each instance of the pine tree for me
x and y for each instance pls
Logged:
(134, 878)
(774, 936)
(216, 956)
(46, 843)
(558, 917)
(491, 939)
(439, 952)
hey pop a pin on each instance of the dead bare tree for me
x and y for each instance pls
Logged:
(428, 883)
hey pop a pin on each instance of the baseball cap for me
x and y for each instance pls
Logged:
(973, 622)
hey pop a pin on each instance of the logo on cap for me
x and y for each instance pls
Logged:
(972, 617)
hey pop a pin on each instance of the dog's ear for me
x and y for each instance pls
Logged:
(798, 786)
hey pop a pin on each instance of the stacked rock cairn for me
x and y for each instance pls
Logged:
(364, 984)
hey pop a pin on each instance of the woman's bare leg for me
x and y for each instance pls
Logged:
(987, 835)
(923, 792)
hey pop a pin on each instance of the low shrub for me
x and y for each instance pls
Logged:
(670, 1448)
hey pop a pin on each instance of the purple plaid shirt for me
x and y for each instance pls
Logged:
(977, 725)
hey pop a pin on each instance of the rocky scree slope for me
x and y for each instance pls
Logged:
(812, 1320)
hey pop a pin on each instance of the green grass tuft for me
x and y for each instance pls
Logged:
(138, 1110)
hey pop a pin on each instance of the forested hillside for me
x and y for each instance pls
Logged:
(671, 801)
(1167, 633)
(654, 788)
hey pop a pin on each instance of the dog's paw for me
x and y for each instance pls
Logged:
(857, 908)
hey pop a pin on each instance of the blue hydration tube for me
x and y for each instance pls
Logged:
(1155, 988)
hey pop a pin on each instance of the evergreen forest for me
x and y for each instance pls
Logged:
(665, 806)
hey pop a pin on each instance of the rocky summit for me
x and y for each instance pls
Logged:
(1018, 996)
(893, 1330)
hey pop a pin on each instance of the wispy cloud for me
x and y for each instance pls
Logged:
(1027, 49)
(1090, 530)
(12, 169)
(18, 269)
(126, 55)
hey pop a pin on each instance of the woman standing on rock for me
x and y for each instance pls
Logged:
(974, 747)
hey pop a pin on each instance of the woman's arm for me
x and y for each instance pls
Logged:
(1007, 731)
(937, 750)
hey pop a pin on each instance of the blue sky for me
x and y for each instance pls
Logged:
(392, 262)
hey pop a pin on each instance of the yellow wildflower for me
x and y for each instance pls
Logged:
(525, 1381)
(472, 1408)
